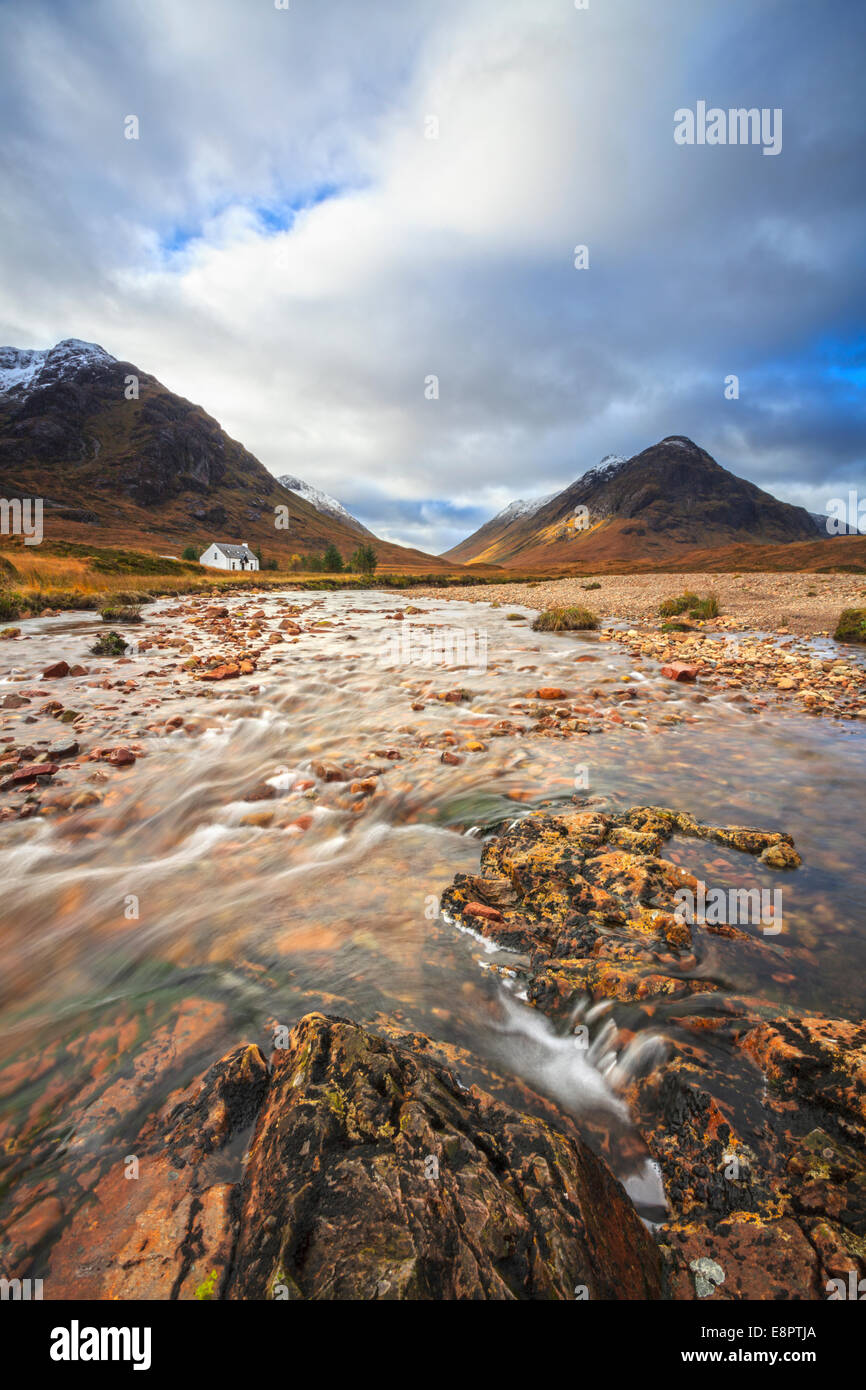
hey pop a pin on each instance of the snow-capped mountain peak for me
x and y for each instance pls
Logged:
(322, 501)
(523, 507)
(610, 465)
(23, 370)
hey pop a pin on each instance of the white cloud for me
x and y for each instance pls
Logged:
(449, 256)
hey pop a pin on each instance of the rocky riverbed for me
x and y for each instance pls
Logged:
(342, 956)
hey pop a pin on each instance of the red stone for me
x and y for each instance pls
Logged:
(60, 668)
(31, 770)
(121, 757)
(680, 671)
(482, 910)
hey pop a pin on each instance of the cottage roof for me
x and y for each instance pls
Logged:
(234, 552)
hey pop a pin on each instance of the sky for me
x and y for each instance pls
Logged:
(330, 204)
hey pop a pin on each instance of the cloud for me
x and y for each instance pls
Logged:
(284, 245)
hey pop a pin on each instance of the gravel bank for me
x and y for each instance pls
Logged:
(806, 604)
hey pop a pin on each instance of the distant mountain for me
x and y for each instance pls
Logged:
(670, 497)
(323, 502)
(150, 470)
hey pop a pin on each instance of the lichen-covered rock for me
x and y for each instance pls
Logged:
(374, 1174)
(590, 900)
(816, 1061)
(758, 1124)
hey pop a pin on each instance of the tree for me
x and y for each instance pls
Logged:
(364, 560)
(190, 553)
(332, 560)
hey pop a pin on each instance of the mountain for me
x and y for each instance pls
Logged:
(152, 472)
(323, 502)
(653, 506)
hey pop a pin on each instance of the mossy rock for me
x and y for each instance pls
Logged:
(851, 626)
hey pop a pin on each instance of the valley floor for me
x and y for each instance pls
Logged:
(806, 604)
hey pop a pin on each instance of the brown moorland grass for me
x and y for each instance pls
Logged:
(70, 576)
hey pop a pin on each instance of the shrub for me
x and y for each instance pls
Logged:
(671, 607)
(189, 553)
(594, 584)
(565, 620)
(692, 603)
(10, 605)
(121, 615)
(705, 607)
(851, 626)
(109, 644)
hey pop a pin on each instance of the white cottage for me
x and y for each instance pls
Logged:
(229, 557)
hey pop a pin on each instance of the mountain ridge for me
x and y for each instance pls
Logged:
(671, 496)
(147, 469)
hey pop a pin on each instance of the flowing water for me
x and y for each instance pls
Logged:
(176, 892)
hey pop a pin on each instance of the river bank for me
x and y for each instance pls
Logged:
(800, 603)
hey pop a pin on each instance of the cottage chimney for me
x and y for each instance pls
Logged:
(243, 542)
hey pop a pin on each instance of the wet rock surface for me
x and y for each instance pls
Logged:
(383, 1177)
(371, 1172)
(758, 1123)
(592, 901)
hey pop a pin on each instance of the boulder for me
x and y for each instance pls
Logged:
(354, 1167)
(374, 1174)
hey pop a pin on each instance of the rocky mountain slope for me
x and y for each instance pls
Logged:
(120, 459)
(670, 496)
